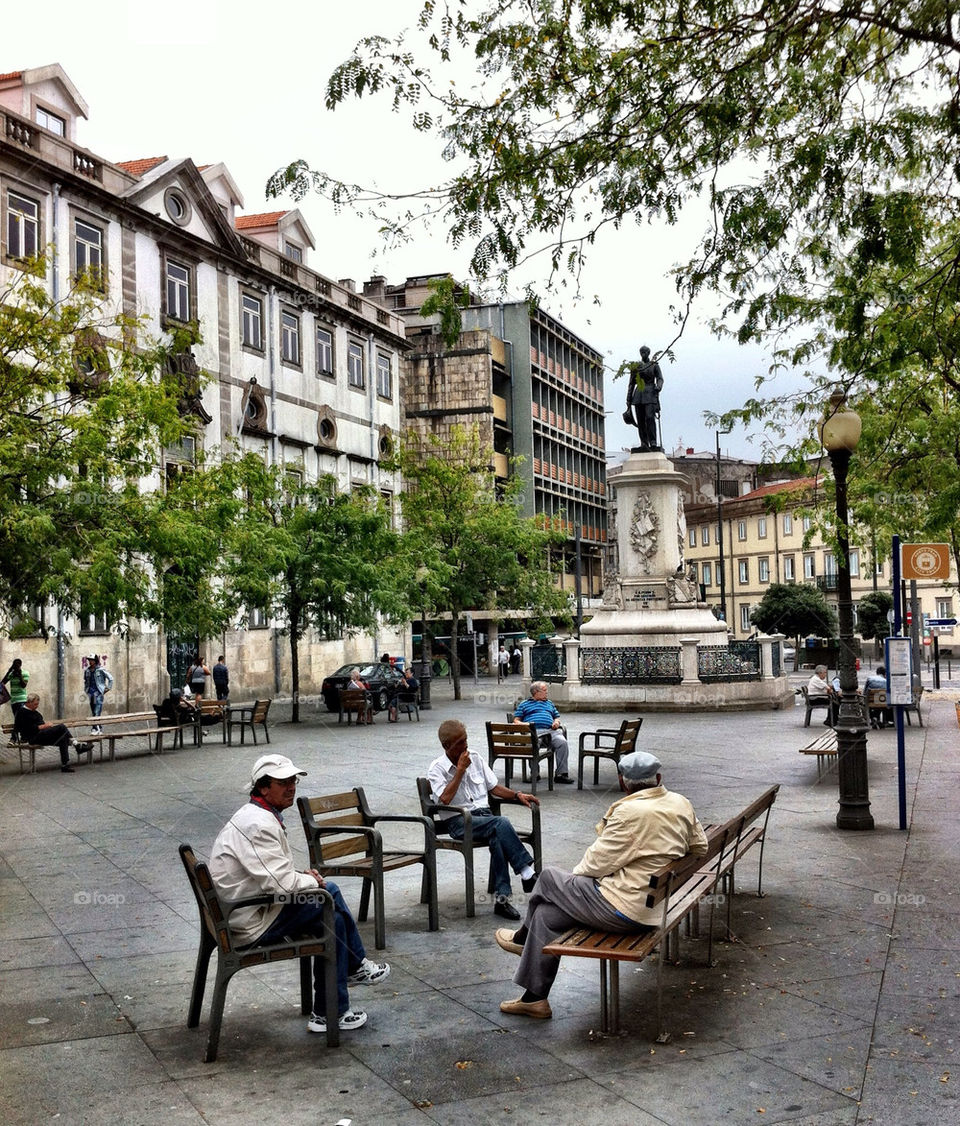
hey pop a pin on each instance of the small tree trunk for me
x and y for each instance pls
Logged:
(295, 664)
(455, 653)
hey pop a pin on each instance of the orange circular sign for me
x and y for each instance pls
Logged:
(926, 561)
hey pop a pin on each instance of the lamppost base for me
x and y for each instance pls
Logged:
(854, 817)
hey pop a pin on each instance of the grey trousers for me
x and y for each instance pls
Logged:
(561, 749)
(558, 902)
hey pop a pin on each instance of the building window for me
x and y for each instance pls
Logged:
(177, 206)
(290, 338)
(93, 623)
(705, 535)
(251, 322)
(879, 567)
(762, 527)
(944, 608)
(23, 226)
(355, 374)
(763, 565)
(854, 562)
(693, 537)
(743, 568)
(809, 567)
(745, 618)
(789, 575)
(741, 529)
(257, 618)
(48, 120)
(88, 253)
(829, 564)
(179, 290)
(706, 578)
(806, 523)
(324, 352)
(384, 377)
(788, 524)
(293, 252)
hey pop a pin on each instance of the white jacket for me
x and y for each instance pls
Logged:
(251, 856)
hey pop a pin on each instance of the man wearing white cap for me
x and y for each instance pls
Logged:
(607, 890)
(251, 856)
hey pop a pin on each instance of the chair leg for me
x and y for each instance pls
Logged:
(199, 980)
(266, 732)
(364, 900)
(330, 991)
(216, 1014)
(468, 883)
(596, 770)
(430, 876)
(379, 922)
(306, 987)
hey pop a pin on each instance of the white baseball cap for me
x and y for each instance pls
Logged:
(276, 766)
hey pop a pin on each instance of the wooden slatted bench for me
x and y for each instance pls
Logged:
(824, 747)
(30, 749)
(678, 889)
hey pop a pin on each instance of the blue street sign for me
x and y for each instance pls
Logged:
(941, 621)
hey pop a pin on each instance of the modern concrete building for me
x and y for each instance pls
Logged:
(303, 369)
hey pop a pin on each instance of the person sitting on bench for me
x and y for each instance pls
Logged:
(607, 890)
(30, 728)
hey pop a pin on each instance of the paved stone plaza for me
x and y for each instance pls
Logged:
(838, 1005)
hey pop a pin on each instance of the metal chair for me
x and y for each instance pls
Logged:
(519, 742)
(608, 743)
(444, 841)
(344, 840)
(215, 935)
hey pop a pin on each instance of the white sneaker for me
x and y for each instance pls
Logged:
(352, 1018)
(369, 973)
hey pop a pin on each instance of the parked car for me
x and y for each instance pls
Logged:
(382, 680)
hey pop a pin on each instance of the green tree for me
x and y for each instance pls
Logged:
(796, 610)
(872, 612)
(818, 142)
(87, 406)
(306, 554)
(465, 547)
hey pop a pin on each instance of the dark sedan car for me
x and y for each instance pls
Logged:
(383, 681)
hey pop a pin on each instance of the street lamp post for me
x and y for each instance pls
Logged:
(723, 579)
(840, 433)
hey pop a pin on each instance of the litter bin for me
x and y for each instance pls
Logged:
(424, 678)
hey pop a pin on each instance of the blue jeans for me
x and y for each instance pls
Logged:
(96, 702)
(307, 918)
(505, 846)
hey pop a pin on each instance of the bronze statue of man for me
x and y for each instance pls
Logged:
(643, 398)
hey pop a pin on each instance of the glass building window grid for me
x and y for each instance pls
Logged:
(743, 570)
(763, 567)
(745, 618)
(355, 372)
(741, 529)
(788, 524)
(788, 570)
(384, 377)
(23, 226)
(809, 567)
(761, 527)
(706, 576)
(48, 120)
(324, 351)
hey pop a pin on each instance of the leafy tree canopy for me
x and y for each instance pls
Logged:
(796, 610)
(819, 140)
(872, 612)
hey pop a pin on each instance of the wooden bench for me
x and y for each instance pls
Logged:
(607, 743)
(824, 747)
(677, 889)
(518, 742)
(30, 749)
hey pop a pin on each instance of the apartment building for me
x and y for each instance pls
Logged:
(304, 370)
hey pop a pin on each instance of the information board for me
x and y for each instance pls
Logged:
(899, 659)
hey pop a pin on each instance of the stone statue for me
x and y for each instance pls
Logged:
(644, 530)
(643, 398)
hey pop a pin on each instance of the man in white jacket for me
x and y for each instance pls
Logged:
(251, 856)
(607, 890)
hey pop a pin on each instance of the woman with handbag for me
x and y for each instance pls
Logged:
(15, 681)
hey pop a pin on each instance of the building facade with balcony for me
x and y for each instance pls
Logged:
(303, 369)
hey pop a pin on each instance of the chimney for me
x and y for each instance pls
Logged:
(689, 450)
(348, 283)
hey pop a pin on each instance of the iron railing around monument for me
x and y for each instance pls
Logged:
(549, 663)
(652, 664)
(740, 660)
(776, 658)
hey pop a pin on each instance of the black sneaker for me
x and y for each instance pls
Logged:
(70, 770)
(505, 909)
(563, 779)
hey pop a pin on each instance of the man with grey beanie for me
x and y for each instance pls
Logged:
(607, 890)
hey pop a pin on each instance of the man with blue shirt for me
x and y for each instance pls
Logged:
(544, 716)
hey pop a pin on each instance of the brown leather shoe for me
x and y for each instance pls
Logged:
(540, 1010)
(505, 941)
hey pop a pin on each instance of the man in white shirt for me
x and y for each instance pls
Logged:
(607, 890)
(251, 856)
(461, 777)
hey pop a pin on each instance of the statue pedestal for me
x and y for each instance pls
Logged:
(653, 603)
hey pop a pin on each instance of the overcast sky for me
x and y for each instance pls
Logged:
(244, 84)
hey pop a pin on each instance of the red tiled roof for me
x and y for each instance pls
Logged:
(140, 167)
(797, 486)
(200, 167)
(12, 74)
(267, 219)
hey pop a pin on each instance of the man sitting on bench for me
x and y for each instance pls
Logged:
(30, 728)
(607, 890)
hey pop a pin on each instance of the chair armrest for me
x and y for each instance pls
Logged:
(426, 822)
(231, 905)
(596, 736)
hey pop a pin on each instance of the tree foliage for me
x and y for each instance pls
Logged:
(796, 610)
(872, 612)
(465, 547)
(305, 553)
(819, 141)
(85, 415)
